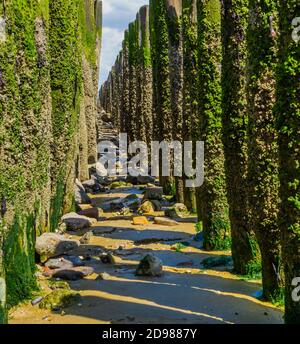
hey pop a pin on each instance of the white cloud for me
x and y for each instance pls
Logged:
(117, 14)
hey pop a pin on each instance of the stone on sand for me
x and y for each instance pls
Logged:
(165, 221)
(73, 274)
(77, 222)
(140, 220)
(155, 193)
(146, 208)
(150, 266)
(50, 245)
(80, 195)
(92, 213)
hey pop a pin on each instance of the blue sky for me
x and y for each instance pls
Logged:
(117, 14)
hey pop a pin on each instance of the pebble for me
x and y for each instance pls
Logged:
(36, 300)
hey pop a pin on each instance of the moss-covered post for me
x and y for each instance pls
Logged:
(245, 252)
(190, 84)
(288, 121)
(144, 104)
(133, 81)
(120, 84)
(163, 123)
(3, 312)
(174, 22)
(262, 143)
(212, 196)
(125, 84)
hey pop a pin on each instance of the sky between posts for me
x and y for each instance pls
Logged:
(117, 14)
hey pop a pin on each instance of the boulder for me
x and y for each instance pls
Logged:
(150, 266)
(146, 208)
(132, 180)
(75, 260)
(117, 205)
(84, 206)
(140, 220)
(145, 180)
(119, 184)
(91, 185)
(59, 263)
(73, 274)
(155, 193)
(133, 204)
(156, 204)
(179, 210)
(50, 245)
(107, 258)
(80, 195)
(92, 213)
(165, 221)
(76, 222)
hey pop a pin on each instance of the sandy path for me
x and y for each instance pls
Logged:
(185, 294)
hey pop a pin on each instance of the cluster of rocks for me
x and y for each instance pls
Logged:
(54, 250)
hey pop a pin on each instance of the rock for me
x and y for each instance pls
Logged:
(140, 220)
(86, 239)
(84, 206)
(150, 266)
(81, 196)
(36, 300)
(132, 197)
(165, 221)
(117, 205)
(76, 261)
(145, 179)
(76, 222)
(58, 263)
(132, 180)
(125, 212)
(134, 204)
(179, 210)
(91, 185)
(73, 274)
(146, 208)
(50, 245)
(156, 204)
(103, 276)
(59, 299)
(92, 213)
(107, 258)
(119, 184)
(155, 193)
(212, 262)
